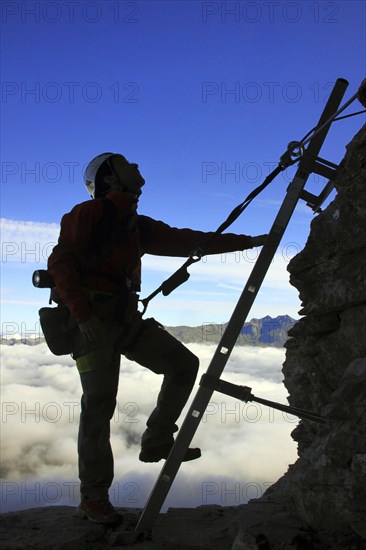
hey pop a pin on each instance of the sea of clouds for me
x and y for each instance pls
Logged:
(245, 446)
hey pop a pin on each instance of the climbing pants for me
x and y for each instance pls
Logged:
(154, 348)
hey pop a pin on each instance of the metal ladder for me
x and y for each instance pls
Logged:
(309, 163)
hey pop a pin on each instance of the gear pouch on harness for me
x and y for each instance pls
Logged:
(58, 328)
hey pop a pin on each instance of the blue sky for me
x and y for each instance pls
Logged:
(204, 96)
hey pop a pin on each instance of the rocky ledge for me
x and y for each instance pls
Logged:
(206, 528)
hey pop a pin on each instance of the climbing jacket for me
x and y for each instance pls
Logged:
(100, 247)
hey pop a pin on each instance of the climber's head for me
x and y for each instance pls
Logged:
(112, 172)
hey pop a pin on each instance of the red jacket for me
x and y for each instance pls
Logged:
(68, 257)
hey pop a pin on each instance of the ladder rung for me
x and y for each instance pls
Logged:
(325, 171)
(240, 392)
(310, 198)
(244, 393)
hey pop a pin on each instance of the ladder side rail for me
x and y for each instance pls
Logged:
(220, 358)
(232, 331)
(278, 228)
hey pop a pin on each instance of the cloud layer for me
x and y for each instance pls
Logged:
(27, 241)
(245, 447)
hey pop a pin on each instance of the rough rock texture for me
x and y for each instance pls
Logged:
(325, 370)
(56, 528)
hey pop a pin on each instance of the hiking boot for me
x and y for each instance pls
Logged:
(157, 453)
(99, 511)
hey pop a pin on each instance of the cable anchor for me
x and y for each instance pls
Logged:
(295, 150)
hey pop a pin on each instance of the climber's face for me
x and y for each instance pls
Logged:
(125, 176)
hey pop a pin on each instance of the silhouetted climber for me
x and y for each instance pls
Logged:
(96, 269)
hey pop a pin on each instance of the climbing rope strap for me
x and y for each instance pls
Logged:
(295, 151)
(182, 275)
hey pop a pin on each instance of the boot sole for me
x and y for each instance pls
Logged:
(155, 456)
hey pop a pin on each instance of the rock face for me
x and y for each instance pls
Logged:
(325, 367)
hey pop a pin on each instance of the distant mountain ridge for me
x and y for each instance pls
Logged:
(269, 331)
(12, 340)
